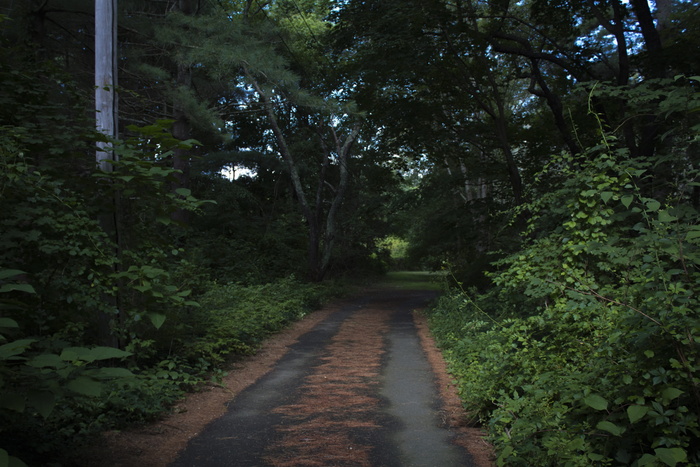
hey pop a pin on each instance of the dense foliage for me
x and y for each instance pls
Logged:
(552, 155)
(586, 349)
(79, 294)
(110, 307)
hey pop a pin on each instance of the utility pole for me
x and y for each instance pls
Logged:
(105, 77)
(106, 123)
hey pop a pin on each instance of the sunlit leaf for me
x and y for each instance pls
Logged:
(636, 412)
(627, 200)
(671, 456)
(595, 401)
(610, 427)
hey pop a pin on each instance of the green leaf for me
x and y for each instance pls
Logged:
(183, 191)
(610, 428)
(44, 360)
(8, 323)
(693, 234)
(42, 401)
(665, 216)
(90, 355)
(113, 372)
(670, 456)
(627, 200)
(576, 444)
(12, 401)
(15, 348)
(4, 288)
(671, 393)
(636, 412)
(507, 451)
(15, 462)
(157, 319)
(5, 273)
(105, 353)
(596, 402)
(4, 458)
(646, 459)
(85, 386)
(652, 205)
(606, 195)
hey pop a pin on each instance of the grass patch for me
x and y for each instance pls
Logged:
(414, 280)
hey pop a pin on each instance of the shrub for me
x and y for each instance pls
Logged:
(591, 355)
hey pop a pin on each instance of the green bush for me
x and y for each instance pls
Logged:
(587, 350)
(70, 287)
(234, 319)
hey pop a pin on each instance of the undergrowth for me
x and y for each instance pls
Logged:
(56, 397)
(586, 351)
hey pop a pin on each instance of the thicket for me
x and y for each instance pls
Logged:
(586, 350)
(107, 314)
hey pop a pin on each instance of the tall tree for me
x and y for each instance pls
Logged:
(319, 200)
(267, 57)
(321, 220)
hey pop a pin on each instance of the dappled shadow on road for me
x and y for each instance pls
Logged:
(334, 420)
(318, 395)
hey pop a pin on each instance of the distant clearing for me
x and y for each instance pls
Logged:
(414, 280)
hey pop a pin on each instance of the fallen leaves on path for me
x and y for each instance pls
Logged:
(339, 387)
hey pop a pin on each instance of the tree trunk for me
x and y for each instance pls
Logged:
(343, 152)
(652, 39)
(657, 68)
(318, 258)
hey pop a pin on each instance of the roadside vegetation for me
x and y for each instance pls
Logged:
(584, 351)
(61, 390)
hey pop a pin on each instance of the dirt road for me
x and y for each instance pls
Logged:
(358, 385)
